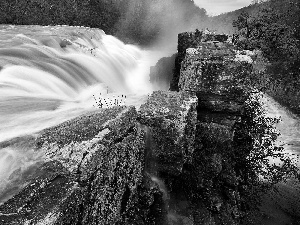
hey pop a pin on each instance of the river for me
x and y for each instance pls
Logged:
(52, 74)
(55, 73)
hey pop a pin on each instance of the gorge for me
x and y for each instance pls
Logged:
(169, 157)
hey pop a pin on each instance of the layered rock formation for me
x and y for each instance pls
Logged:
(191, 40)
(208, 187)
(93, 172)
(212, 72)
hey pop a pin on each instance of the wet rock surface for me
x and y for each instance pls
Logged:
(203, 184)
(209, 182)
(93, 173)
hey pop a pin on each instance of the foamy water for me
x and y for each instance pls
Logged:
(52, 74)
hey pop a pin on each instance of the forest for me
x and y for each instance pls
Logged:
(274, 30)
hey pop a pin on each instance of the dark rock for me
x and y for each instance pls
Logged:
(215, 137)
(162, 73)
(217, 117)
(93, 173)
(220, 103)
(185, 40)
(210, 70)
(172, 119)
(52, 197)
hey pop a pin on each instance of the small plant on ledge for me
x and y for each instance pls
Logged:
(106, 102)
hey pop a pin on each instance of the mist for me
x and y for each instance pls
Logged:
(156, 23)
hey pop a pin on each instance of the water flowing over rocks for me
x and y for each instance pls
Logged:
(172, 162)
(93, 174)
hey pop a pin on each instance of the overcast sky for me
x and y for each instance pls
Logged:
(216, 7)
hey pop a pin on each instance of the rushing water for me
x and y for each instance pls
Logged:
(49, 74)
(55, 73)
(281, 204)
(288, 127)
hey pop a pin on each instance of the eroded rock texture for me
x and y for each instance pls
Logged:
(210, 184)
(171, 118)
(92, 173)
(192, 40)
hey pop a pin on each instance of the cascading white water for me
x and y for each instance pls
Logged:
(52, 74)
(49, 74)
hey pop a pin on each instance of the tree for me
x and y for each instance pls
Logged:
(254, 140)
(273, 30)
(253, 2)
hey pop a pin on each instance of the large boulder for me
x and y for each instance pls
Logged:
(93, 172)
(191, 158)
(171, 118)
(188, 40)
(212, 68)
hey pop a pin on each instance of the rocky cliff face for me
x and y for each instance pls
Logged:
(172, 162)
(191, 40)
(212, 72)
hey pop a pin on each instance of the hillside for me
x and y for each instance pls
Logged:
(275, 31)
(223, 23)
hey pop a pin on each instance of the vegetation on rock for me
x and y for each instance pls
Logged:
(275, 31)
(258, 159)
(235, 140)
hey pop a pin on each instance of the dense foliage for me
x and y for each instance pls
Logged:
(93, 13)
(258, 158)
(275, 31)
(138, 21)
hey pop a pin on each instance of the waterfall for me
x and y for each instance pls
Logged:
(52, 74)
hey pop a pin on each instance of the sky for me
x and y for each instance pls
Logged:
(216, 7)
